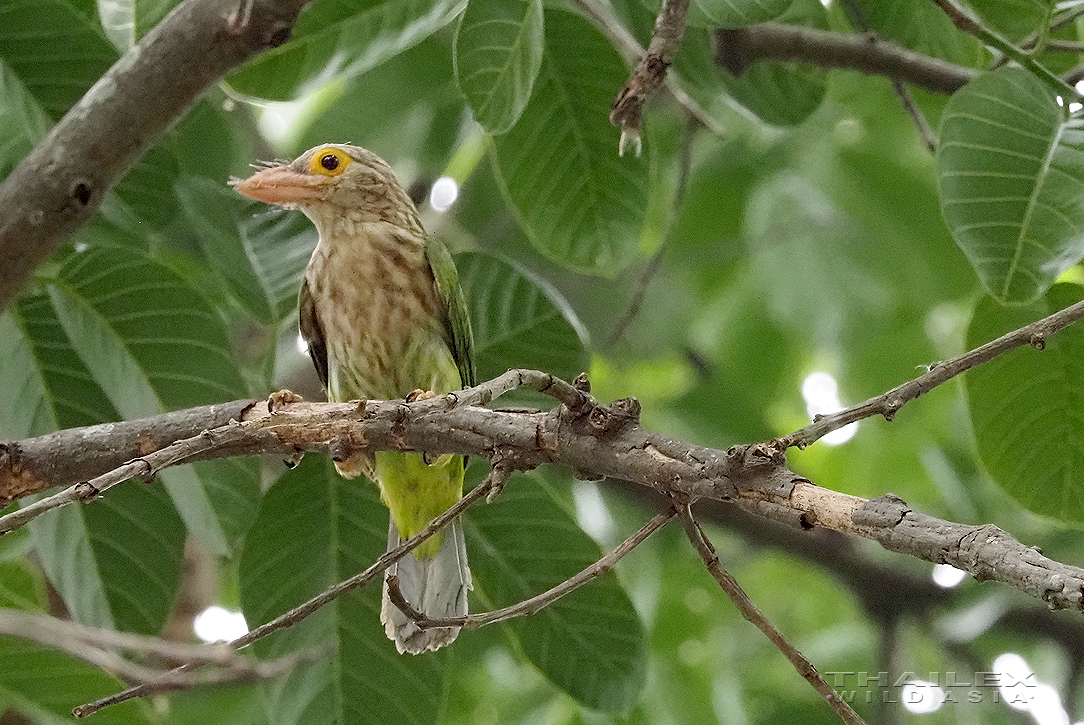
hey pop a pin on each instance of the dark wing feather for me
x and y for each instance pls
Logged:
(312, 332)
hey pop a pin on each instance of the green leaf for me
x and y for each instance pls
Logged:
(1013, 18)
(56, 51)
(519, 320)
(498, 51)
(116, 562)
(147, 190)
(1010, 171)
(336, 40)
(126, 21)
(1027, 407)
(580, 204)
(312, 530)
(734, 13)
(590, 643)
(261, 253)
(22, 121)
(921, 26)
(151, 344)
(781, 93)
(44, 685)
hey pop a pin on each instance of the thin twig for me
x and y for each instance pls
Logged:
(498, 475)
(650, 72)
(628, 46)
(887, 404)
(752, 613)
(963, 20)
(903, 93)
(97, 647)
(538, 602)
(653, 264)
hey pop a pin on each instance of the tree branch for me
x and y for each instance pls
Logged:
(633, 52)
(752, 613)
(649, 73)
(496, 479)
(738, 48)
(97, 647)
(540, 601)
(31, 465)
(60, 185)
(595, 441)
(887, 404)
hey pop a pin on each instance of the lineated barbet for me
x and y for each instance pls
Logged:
(384, 318)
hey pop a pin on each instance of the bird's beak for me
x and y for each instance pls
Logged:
(279, 185)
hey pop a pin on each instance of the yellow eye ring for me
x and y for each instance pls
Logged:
(329, 162)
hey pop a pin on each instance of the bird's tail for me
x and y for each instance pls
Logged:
(436, 586)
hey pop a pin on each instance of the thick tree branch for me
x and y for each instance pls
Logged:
(739, 48)
(60, 185)
(32, 465)
(595, 441)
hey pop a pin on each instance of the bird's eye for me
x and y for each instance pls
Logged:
(329, 161)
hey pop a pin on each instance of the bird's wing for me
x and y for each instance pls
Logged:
(312, 332)
(457, 326)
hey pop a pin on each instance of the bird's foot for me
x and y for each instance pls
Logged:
(280, 399)
(420, 394)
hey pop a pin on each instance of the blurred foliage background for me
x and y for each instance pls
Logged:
(791, 245)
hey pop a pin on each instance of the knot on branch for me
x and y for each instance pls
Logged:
(614, 417)
(761, 468)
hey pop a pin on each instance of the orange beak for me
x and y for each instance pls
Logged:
(279, 185)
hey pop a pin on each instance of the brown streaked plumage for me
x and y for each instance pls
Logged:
(383, 315)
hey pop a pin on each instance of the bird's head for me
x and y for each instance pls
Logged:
(331, 184)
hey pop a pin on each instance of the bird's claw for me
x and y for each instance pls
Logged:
(419, 394)
(280, 399)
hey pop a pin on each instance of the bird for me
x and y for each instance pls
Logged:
(384, 317)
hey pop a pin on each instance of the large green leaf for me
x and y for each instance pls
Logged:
(261, 253)
(117, 562)
(126, 21)
(44, 686)
(1010, 170)
(922, 26)
(335, 528)
(151, 344)
(337, 40)
(22, 121)
(734, 13)
(498, 51)
(580, 204)
(781, 93)
(1013, 18)
(590, 642)
(1027, 407)
(56, 51)
(519, 321)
